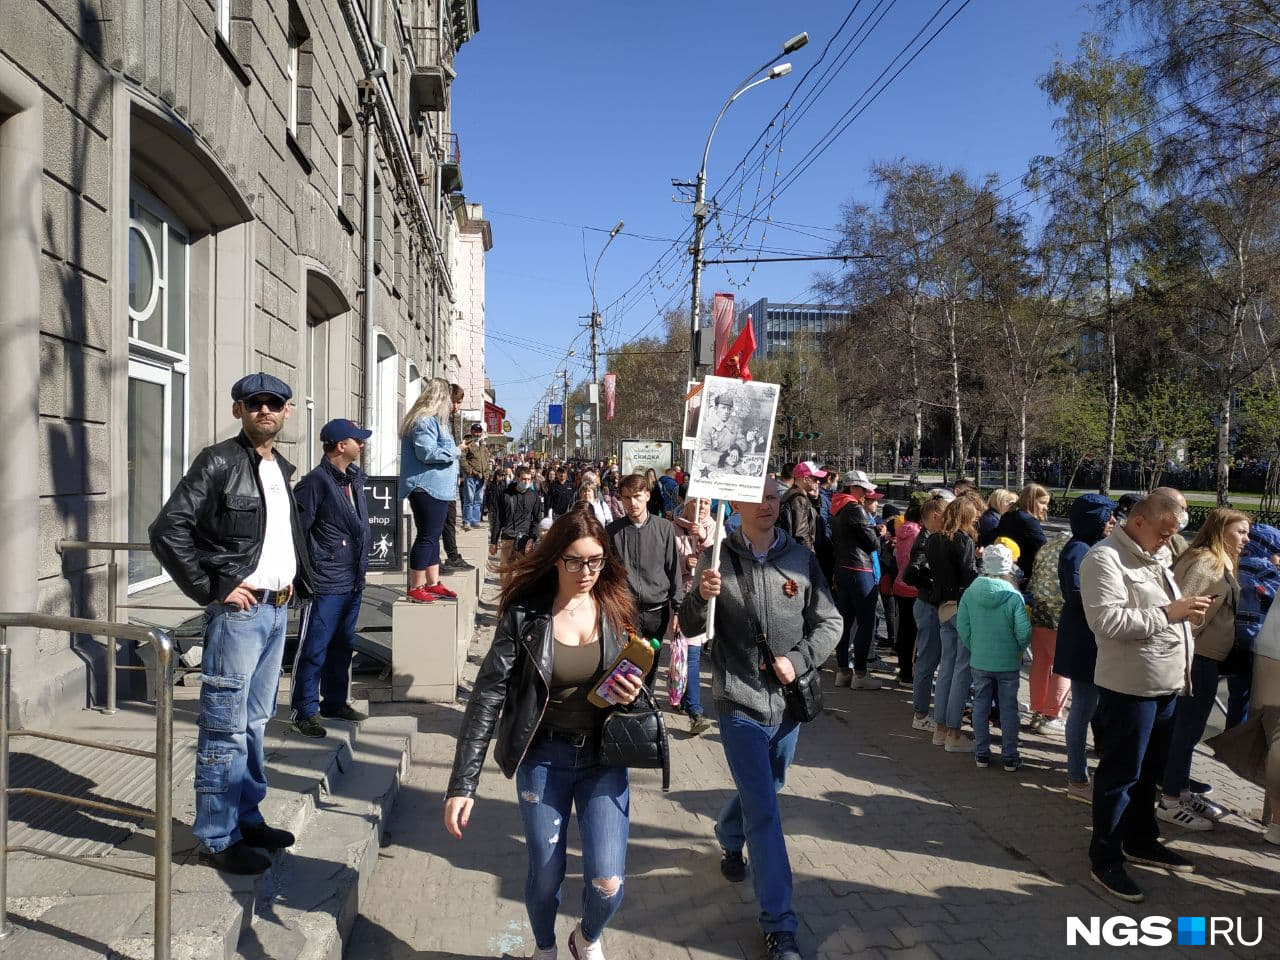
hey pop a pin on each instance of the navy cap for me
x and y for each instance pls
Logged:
(259, 383)
(337, 430)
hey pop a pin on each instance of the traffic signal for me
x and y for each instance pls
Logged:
(799, 435)
(812, 436)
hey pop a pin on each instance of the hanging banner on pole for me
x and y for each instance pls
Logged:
(722, 323)
(730, 458)
(692, 414)
(555, 414)
(610, 393)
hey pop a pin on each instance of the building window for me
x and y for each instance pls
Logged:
(299, 106)
(291, 70)
(159, 294)
(386, 428)
(224, 19)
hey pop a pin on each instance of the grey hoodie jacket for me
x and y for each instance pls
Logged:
(801, 623)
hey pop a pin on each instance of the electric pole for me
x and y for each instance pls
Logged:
(564, 412)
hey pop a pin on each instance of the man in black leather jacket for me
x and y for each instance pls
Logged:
(229, 536)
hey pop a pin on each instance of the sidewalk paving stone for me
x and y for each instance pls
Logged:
(898, 850)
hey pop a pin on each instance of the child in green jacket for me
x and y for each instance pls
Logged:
(992, 622)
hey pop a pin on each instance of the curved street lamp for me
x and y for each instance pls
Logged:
(700, 197)
(595, 357)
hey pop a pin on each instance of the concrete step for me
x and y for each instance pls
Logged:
(332, 793)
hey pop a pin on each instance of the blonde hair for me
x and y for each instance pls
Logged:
(1001, 500)
(1031, 494)
(435, 400)
(1210, 541)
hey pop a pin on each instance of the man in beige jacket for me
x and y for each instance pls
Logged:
(1140, 621)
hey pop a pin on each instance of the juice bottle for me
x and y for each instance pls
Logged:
(635, 659)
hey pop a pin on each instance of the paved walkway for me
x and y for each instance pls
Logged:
(899, 850)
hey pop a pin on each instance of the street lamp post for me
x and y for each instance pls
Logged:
(700, 193)
(595, 327)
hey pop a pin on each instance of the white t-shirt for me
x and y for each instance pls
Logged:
(277, 565)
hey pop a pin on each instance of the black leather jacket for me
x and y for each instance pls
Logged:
(511, 693)
(853, 535)
(208, 535)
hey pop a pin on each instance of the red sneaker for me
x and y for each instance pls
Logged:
(442, 592)
(421, 595)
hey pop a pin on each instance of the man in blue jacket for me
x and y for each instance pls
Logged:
(335, 522)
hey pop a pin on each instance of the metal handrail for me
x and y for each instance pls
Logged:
(113, 605)
(162, 875)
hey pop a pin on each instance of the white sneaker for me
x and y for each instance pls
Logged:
(579, 949)
(924, 723)
(1182, 814)
(1051, 725)
(958, 744)
(1203, 807)
(549, 953)
(1273, 834)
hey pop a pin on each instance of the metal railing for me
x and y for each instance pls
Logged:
(162, 816)
(113, 602)
(451, 147)
(429, 50)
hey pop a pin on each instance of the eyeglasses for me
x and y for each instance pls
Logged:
(254, 404)
(575, 564)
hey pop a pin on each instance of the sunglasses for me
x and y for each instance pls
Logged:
(254, 404)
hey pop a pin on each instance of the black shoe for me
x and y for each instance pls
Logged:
(1162, 857)
(460, 565)
(310, 727)
(345, 712)
(1203, 789)
(782, 946)
(239, 858)
(267, 838)
(733, 866)
(1116, 882)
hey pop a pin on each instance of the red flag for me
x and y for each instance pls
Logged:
(722, 323)
(610, 393)
(738, 355)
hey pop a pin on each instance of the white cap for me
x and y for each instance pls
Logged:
(941, 493)
(997, 560)
(857, 478)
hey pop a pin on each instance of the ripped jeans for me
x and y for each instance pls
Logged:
(554, 777)
(241, 676)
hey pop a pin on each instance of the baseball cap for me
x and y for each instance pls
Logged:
(259, 383)
(858, 478)
(336, 431)
(808, 468)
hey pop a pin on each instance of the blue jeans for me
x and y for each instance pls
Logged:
(322, 665)
(1190, 715)
(856, 597)
(241, 674)
(1003, 684)
(953, 678)
(471, 487)
(1135, 749)
(554, 778)
(692, 700)
(928, 650)
(758, 757)
(1084, 704)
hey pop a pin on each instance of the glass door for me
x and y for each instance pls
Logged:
(150, 449)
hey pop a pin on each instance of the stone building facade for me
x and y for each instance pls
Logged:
(473, 240)
(191, 190)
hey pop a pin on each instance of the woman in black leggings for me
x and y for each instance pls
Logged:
(429, 479)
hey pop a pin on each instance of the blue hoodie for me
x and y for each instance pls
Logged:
(1077, 650)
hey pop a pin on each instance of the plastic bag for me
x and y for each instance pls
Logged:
(678, 669)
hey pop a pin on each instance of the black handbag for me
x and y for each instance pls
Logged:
(803, 694)
(636, 736)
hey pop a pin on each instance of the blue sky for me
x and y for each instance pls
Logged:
(578, 113)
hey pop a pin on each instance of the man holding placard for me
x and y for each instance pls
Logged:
(769, 589)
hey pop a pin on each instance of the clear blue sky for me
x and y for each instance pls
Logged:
(582, 111)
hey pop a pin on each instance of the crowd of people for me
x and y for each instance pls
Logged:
(1128, 626)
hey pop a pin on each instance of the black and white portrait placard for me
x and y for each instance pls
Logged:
(692, 414)
(731, 457)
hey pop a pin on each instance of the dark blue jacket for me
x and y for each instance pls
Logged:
(987, 523)
(1077, 650)
(337, 536)
(1024, 530)
(1259, 582)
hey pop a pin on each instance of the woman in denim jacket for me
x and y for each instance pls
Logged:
(429, 479)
